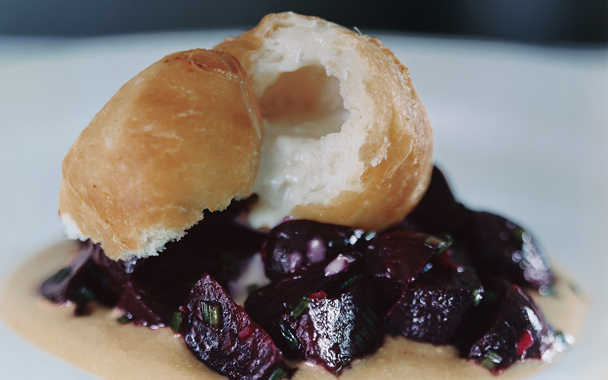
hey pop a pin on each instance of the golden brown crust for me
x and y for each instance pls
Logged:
(388, 169)
(181, 137)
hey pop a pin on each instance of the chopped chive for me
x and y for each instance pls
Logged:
(564, 339)
(176, 321)
(427, 268)
(289, 335)
(212, 315)
(252, 288)
(489, 295)
(362, 335)
(124, 319)
(278, 373)
(370, 316)
(300, 307)
(82, 295)
(477, 296)
(574, 287)
(350, 281)
(439, 245)
(491, 360)
(61, 274)
(548, 290)
(519, 234)
(337, 243)
(369, 235)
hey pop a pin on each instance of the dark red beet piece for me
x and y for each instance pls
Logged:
(506, 251)
(438, 212)
(331, 330)
(222, 335)
(437, 305)
(326, 313)
(499, 247)
(400, 256)
(508, 327)
(270, 301)
(396, 258)
(81, 282)
(297, 243)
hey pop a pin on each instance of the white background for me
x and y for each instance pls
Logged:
(519, 130)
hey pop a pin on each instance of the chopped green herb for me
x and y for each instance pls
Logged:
(477, 296)
(176, 321)
(300, 307)
(489, 295)
(519, 234)
(61, 274)
(212, 315)
(362, 335)
(370, 316)
(427, 268)
(289, 335)
(575, 288)
(491, 360)
(564, 340)
(440, 245)
(81, 295)
(548, 290)
(350, 281)
(252, 288)
(125, 319)
(338, 243)
(369, 235)
(278, 373)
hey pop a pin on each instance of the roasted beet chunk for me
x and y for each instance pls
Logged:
(396, 258)
(438, 212)
(270, 301)
(222, 335)
(331, 331)
(400, 256)
(506, 251)
(297, 243)
(437, 305)
(326, 313)
(81, 282)
(508, 327)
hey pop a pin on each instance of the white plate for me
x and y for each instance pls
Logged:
(520, 130)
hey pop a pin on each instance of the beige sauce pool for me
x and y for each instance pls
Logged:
(103, 347)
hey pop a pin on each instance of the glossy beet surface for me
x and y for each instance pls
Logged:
(507, 251)
(438, 212)
(508, 327)
(222, 335)
(401, 256)
(270, 301)
(438, 305)
(499, 247)
(297, 243)
(329, 317)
